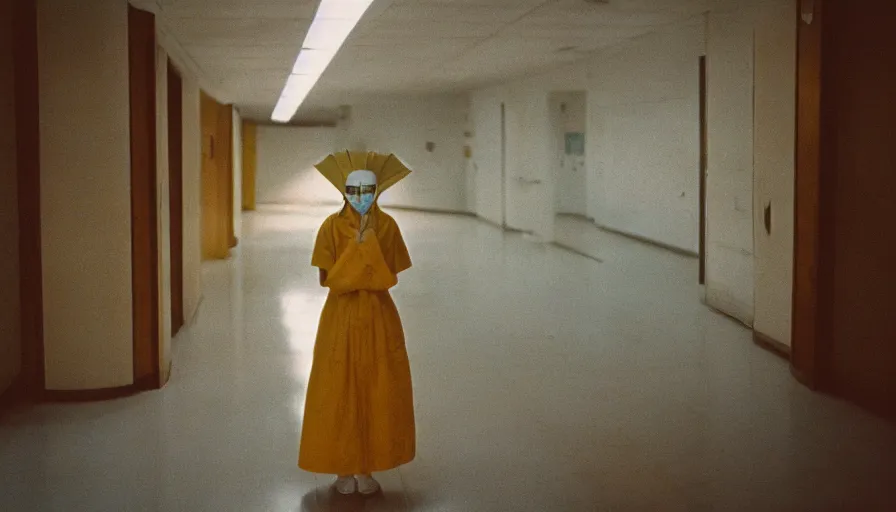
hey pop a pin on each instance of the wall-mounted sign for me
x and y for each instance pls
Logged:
(575, 144)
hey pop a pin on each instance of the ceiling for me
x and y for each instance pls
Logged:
(246, 48)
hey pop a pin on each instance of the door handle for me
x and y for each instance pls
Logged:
(768, 218)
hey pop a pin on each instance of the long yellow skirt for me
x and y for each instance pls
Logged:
(359, 408)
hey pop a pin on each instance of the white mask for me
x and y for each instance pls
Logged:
(360, 190)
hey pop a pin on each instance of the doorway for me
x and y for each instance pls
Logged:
(217, 178)
(568, 118)
(568, 132)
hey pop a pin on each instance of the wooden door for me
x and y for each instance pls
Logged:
(215, 189)
(844, 340)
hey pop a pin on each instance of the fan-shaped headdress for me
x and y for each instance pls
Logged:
(389, 169)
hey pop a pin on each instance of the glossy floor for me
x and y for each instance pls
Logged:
(544, 381)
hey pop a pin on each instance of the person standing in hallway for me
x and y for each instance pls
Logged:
(359, 411)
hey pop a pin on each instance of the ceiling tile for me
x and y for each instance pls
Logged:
(238, 32)
(404, 46)
(241, 9)
(446, 13)
(427, 29)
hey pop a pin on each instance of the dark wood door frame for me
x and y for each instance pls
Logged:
(176, 195)
(225, 137)
(144, 216)
(809, 335)
(703, 170)
(27, 114)
(843, 342)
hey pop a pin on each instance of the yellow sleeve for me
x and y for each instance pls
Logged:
(395, 252)
(324, 254)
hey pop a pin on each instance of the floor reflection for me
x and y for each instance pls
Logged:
(543, 381)
(325, 499)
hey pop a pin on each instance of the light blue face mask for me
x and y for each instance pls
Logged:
(360, 190)
(362, 203)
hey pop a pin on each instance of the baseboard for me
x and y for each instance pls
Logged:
(458, 213)
(496, 225)
(418, 209)
(803, 378)
(576, 251)
(148, 383)
(490, 223)
(648, 241)
(14, 395)
(772, 345)
(729, 316)
(95, 395)
(577, 216)
(192, 320)
(661, 245)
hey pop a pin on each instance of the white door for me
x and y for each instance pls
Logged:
(773, 178)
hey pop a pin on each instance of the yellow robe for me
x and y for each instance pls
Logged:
(359, 409)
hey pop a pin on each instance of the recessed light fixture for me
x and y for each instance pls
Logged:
(333, 23)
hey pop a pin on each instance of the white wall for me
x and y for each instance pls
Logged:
(644, 113)
(285, 171)
(403, 126)
(729, 183)
(237, 174)
(192, 173)
(10, 325)
(642, 148)
(775, 140)
(642, 145)
(85, 193)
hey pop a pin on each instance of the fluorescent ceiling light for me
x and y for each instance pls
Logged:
(312, 62)
(283, 113)
(294, 93)
(328, 34)
(342, 9)
(298, 86)
(332, 24)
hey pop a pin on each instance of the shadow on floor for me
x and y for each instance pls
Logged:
(328, 500)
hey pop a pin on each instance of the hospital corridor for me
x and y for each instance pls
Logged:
(634, 255)
(543, 381)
